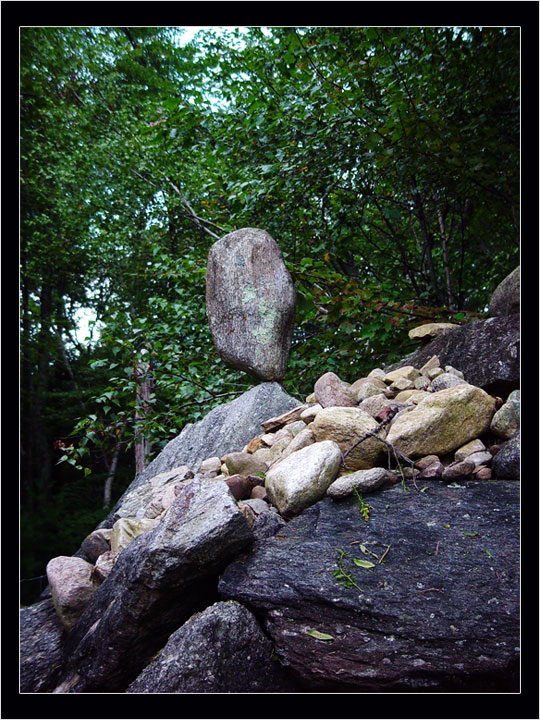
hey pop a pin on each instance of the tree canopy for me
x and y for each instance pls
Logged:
(384, 161)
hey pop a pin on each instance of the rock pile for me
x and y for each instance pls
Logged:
(262, 504)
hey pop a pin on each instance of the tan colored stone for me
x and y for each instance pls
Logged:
(243, 463)
(482, 473)
(401, 384)
(254, 444)
(375, 382)
(376, 373)
(258, 492)
(211, 464)
(303, 439)
(469, 448)
(104, 565)
(432, 373)
(458, 470)
(125, 530)
(431, 364)
(434, 470)
(422, 382)
(443, 421)
(407, 371)
(279, 421)
(363, 480)
(414, 396)
(345, 426)
(303, 478)
(430, 330)
(309, 415)
(70, 582)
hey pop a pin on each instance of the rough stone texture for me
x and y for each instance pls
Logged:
(430, 330)
(506, 420)
(376, 403)
(41, 647)
(158, 581)
(506, 463)
(443, 422)
(220, 650)
(458, 470)
(505, 299)
(226, 428)
(70, 580)
(345, 426)
(250, 303)
(444, 381)
(439, 614)
(364, 481)
(486, 352)
(138, 501)
(303, 477)
(331, 391)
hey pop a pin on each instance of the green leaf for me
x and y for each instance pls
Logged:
(363, 563)
(319, 635)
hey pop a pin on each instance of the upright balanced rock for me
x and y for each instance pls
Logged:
(250, 303)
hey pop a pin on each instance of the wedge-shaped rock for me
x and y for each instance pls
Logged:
(506, 420)
(443, 422)
(303, 477)
(70, 580)
(345, 426)
(250, 303)
(158, 581)
(506, 298)
(220, 650)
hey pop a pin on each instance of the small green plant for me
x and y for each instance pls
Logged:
(342, 576)
(364, 507)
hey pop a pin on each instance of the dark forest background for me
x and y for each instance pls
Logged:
(384, 161)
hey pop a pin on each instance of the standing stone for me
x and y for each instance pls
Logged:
(250, 303)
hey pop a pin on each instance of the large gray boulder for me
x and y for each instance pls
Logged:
(225, 429)
(250, 303)
(220, 650)
(41, 647)
(486, 352)
(506, 298)
(437, 610)
(158, 581)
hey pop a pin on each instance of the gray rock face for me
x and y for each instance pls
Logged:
(250, 303)
(41, 647)
(441, 612)
(506, 463)
(486, 352)
(220, 650)
(158, 581)
(225, 429)
(505, 300)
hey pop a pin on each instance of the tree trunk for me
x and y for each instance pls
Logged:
(145, 386)
(449, 293)
(110, 477)
(428, 245)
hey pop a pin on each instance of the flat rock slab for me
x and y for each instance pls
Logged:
(440, 613)
(250, 303)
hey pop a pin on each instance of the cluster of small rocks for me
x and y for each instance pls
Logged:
(387, 427)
